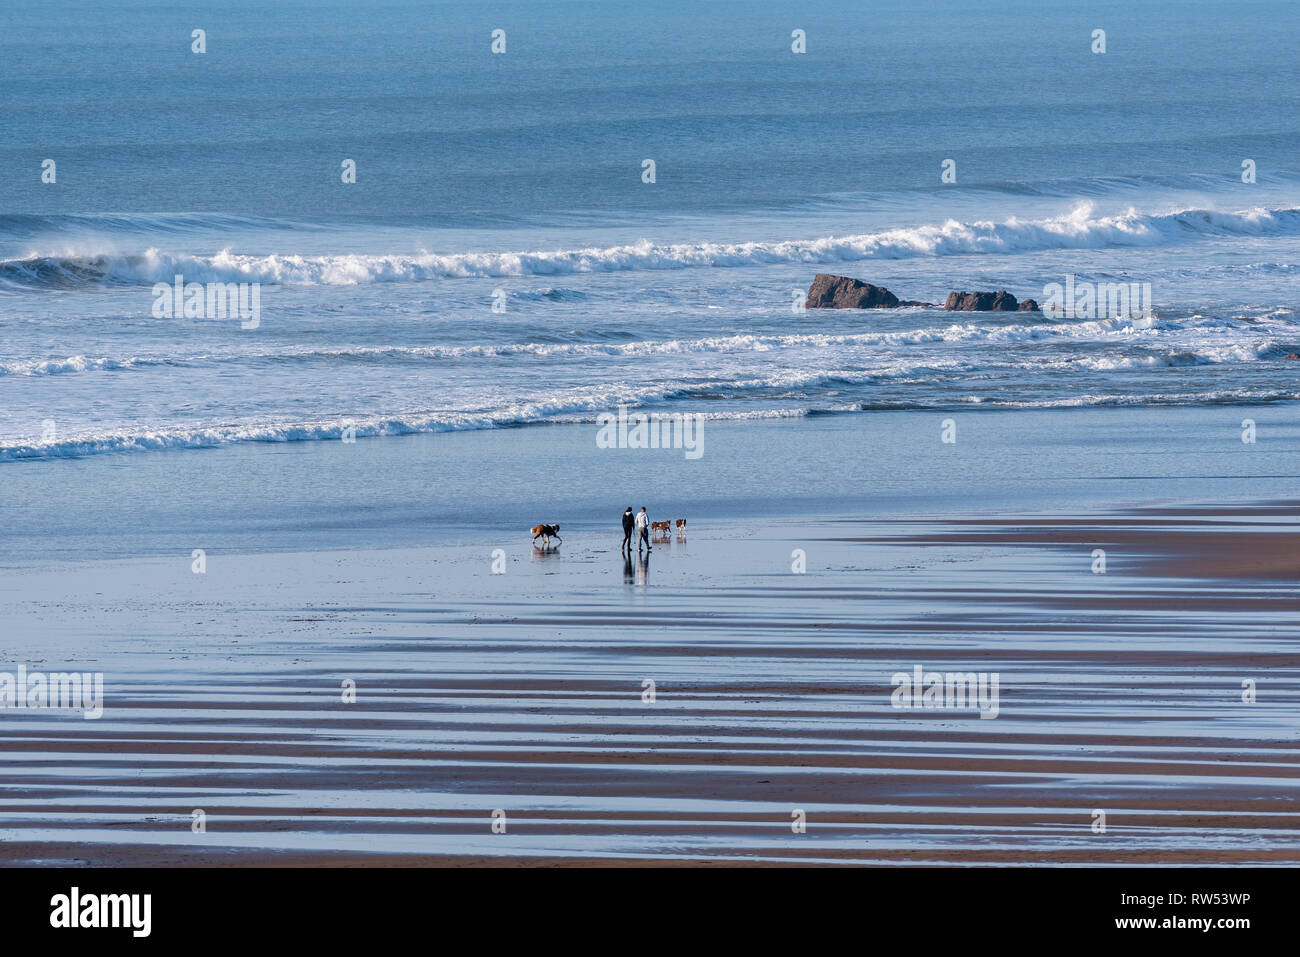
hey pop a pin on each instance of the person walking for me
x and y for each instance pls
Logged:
(629, 523)
(643, 526)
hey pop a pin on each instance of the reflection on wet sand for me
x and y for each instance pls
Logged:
(1119, 692)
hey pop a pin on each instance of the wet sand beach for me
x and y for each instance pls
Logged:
(526, 693)
(974, 381)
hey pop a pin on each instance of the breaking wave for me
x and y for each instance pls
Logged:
(1079, 229)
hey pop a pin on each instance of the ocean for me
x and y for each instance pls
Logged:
(499, 260)
(445, 267)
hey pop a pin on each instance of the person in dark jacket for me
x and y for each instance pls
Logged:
(629, 523)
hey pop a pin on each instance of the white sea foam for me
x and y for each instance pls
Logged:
(585, 404)
(1079, 229)
(1203, 344)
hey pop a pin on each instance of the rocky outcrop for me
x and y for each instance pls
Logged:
(841, 292)
(1000, 301)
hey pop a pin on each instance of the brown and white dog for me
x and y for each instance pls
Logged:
(546, 533)
(681, 526)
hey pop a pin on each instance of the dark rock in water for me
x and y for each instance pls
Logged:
(1000, 301)
(1029, 305)
(841, 292)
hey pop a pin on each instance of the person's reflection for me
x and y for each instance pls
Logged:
(627, 567)
(642, 568)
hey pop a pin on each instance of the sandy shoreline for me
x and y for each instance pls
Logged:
(1169, 542)
(522, 692)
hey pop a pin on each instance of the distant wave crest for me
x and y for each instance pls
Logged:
(1080, 229)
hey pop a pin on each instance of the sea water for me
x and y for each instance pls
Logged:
(505, 259)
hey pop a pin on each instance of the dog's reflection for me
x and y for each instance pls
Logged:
(641, 574)
(542, 552)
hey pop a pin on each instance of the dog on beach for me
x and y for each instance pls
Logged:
(659, 527)
(546, 533)
(681, 526)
